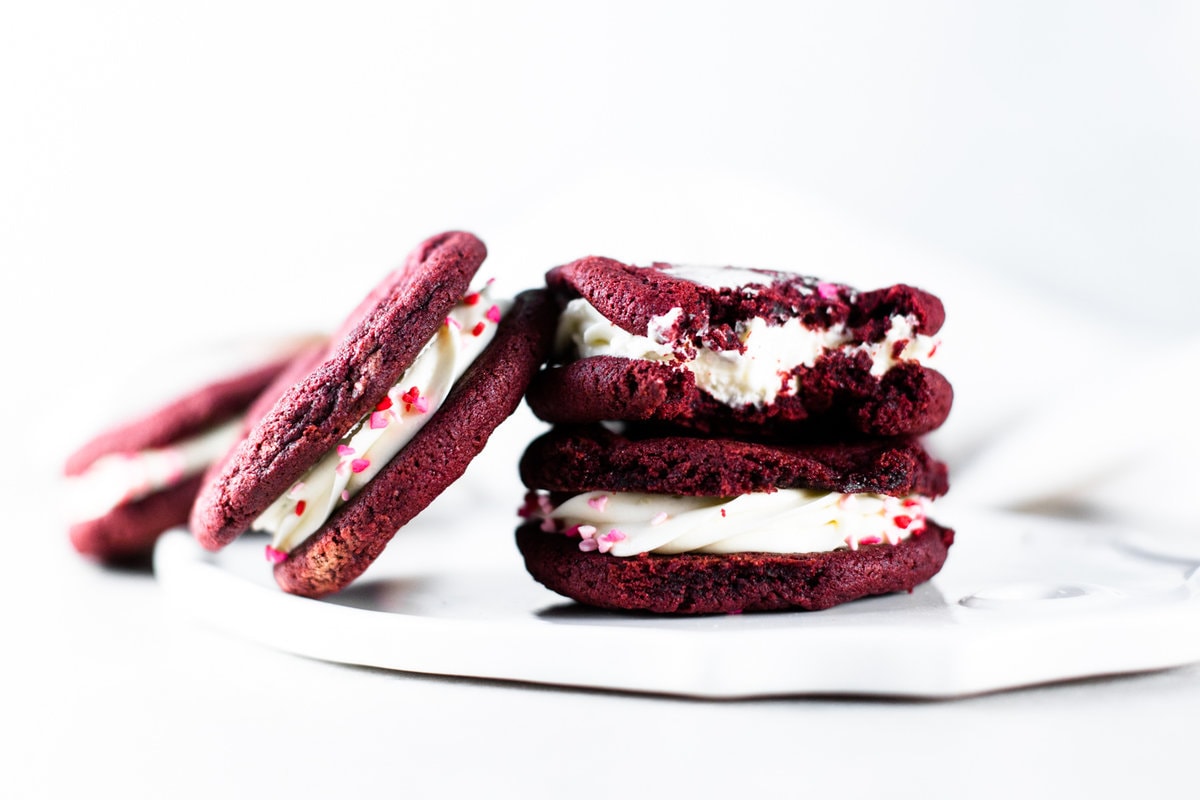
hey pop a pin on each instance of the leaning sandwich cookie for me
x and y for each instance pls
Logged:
(742, 351)
(688, 525)
(396, 410)
(129, 484)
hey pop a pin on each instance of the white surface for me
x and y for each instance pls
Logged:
(170, 176)
(1022, 601)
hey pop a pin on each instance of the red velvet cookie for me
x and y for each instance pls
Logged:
(748, 352)
(137, 480)
(393, 414)
(679, 524)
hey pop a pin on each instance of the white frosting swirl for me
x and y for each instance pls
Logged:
(784, 521)
(367, 448)
(119, 478)
(756, 376)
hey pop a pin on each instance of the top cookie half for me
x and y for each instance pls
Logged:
(742, 351)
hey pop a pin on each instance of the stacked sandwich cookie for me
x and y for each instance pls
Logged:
(764, 453)
(408, 393)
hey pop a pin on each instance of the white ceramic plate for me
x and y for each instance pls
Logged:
(1022, 600)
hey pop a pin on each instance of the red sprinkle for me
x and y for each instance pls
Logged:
(478, 329)
(870, 540)
(722, 512)
(384, 404)
(903, 521)
(933, 349)
(908, 502)
(300, 506)
(471, 299)
(359, 464)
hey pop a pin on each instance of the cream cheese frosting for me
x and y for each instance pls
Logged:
(364, 451)
(120, 478)
(784, 521)
(761, 371)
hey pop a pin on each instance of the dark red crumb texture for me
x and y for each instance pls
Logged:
(440, 452)
(698, 583)
(593, 458)
(837, 397)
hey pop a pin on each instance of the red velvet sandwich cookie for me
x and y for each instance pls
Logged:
(684, 525)
(135, 481)
(394, 413)
(738, 351)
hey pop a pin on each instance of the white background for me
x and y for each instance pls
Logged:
(172, 176)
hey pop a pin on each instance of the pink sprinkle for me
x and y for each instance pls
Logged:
(296, 489)
(530, 505)
(870, 540)
(345, 450)
(378, 420)
(599, 503)
(359, 464)
(605, 543)
(493, 313)
(421, 404)
(478, 329)
(300, 506)
(660, 518)
(275, 556)
(345, 495)
(827, 291)
(586, 531)
(453, 323)
(588, 545)
(851, 542)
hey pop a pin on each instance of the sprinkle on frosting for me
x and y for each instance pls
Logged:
(493, 313)
(275, 556)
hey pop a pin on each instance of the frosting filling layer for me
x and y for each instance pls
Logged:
(119, 478)
(375, 439)
(784, 521)
(756, 375)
